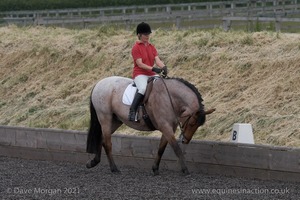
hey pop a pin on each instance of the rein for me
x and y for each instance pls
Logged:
(185, 122)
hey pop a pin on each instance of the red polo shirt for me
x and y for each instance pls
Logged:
(147, 53)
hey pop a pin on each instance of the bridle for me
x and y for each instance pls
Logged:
(181, 125)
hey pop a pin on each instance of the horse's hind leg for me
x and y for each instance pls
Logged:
(108, 129)
(108, 149)
(96, 160)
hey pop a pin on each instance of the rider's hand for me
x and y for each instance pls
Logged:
(156, 70)
(164, 72)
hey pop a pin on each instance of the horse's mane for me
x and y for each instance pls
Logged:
(192, 87)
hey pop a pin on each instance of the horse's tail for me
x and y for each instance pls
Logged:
(94, 138)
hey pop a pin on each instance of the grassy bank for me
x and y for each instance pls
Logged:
(47, 74)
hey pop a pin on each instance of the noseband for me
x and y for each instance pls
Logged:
(182, 127)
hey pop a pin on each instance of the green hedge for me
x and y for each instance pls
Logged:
(14, 5)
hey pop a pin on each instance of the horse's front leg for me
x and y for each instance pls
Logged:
(161, 150)
(172, 141)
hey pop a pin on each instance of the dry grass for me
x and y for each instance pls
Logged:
(47, 74)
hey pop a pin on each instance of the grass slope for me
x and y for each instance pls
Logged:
(47, 74)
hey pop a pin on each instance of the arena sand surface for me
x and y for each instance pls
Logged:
(32, 179)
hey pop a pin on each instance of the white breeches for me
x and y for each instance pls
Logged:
(141, 83)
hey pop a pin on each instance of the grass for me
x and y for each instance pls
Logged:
(47, 75)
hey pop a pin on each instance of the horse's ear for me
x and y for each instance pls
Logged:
(210, 111)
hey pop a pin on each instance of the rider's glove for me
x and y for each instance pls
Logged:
(156, 70)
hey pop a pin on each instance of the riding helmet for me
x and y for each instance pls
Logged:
(143, 28)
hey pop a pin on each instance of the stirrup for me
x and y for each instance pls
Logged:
(136, 117)
(132, 116)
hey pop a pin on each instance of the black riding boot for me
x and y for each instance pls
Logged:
(135, 103)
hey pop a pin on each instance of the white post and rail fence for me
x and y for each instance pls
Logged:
(187, 15)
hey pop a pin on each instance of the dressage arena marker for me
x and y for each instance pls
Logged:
(242, 133)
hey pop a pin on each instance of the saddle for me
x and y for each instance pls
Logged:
(128, 96)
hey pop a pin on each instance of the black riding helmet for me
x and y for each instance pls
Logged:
(143, 28)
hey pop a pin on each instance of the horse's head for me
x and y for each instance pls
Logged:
(192, 123)
(189, 106)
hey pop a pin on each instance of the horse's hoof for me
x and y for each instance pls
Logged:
(155, 172)
(91, 164)
(116, 171)
(185, 172)
(187, 175)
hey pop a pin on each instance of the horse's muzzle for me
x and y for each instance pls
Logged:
(183, 139)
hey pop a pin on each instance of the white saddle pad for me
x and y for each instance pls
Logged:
(129, 94)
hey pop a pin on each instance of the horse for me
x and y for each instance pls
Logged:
(169, 102)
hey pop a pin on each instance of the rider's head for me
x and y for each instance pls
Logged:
(143, 28)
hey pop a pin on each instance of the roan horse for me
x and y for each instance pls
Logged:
(170, 103)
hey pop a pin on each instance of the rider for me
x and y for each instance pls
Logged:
(144, 56)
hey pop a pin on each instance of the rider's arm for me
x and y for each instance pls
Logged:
(158, 62)
(142, 65)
